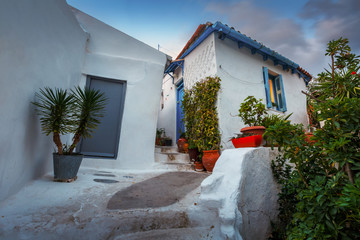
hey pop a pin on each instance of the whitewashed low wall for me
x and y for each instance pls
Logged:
(243, 192)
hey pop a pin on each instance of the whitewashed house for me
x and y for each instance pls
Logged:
(246, 68)
(50, 44)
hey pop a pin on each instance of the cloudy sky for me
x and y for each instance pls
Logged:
(297, 29)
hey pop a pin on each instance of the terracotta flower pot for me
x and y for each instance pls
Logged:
(199, 167)
(209, 159)
(186, 147)
(254, 130)
(180, 144)
(250, 141)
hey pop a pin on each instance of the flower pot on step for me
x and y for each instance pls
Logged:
(250, 141)
(254, 130)
(186, 147)
(199, 167)
(209, 159)
(168, 142)
(180, 144)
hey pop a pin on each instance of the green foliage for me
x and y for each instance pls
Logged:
(272, 119)
(55, 108)
(252, 111)
(320, 195)
(200, 114)
(160, 132)
(89, 109)
(61, 113)
(189, 109)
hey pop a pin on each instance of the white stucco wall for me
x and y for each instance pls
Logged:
(113, 54)
(167, 115)
(242, 75)
(42, 45)
(200, 63)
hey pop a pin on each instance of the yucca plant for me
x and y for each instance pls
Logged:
(56, 110)
(61, 112)
(89, 106)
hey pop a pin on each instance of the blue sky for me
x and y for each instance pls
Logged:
(297, 29)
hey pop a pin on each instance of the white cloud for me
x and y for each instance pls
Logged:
(288, 36)
(335, 19)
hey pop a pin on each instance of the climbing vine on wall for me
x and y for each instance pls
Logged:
(200, 114)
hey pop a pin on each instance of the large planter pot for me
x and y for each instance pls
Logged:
(199, 167)
(209, 159)
(193, 154)
(250, 141)
(254, 130)
(66, 167)
(180, 144)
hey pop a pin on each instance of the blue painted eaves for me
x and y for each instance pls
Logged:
(242, 40)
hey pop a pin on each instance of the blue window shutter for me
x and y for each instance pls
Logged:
(283, 94)
(267, 87)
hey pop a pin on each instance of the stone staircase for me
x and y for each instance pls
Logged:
(168, 158)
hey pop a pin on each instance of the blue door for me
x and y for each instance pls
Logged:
(179, 111)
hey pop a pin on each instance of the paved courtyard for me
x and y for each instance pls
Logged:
(107, 204)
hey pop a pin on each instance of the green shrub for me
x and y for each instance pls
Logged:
(252, 111)
(200, 114)
(320, 195)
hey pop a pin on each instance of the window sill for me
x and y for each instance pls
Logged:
(274, 110)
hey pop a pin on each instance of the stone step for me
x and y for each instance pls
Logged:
(196, 233)
(174, 166)
(166, 149)
(172, 157)
(140, 220)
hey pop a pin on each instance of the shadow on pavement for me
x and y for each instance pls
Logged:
(160, 191)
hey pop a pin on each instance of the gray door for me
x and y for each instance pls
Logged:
(105, 139)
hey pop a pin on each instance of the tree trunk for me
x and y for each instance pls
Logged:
(76, 140)
(57, 141)
(349, 172)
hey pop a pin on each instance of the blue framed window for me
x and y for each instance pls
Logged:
(274, 88)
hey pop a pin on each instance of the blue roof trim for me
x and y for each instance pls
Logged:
(253, 45)
(242, 40)
(173, 66)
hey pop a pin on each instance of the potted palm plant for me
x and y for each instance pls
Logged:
(62, 112)
(252, 112)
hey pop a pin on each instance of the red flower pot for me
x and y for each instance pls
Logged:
(199, 167)
(255, 130)
(250, 141)
(209, 159)
(180, 144)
